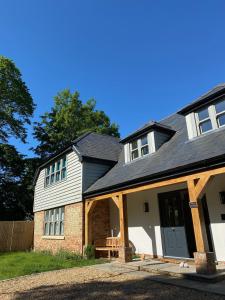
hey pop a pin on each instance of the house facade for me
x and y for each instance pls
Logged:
(163, 194)
(59, 187)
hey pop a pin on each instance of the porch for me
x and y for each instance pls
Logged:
(122, 223)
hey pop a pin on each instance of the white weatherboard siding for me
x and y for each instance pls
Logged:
(215, 210)
(92, 172)
(64, 192)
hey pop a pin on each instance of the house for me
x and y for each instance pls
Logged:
(59, 186)
(163, 195)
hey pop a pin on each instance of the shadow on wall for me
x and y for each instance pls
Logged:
(141, 226)
(115, 289)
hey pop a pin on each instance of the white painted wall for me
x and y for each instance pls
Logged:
(144, 228)
(215, 210)
(64, 192)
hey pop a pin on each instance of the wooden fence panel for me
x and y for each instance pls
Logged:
(16, 235)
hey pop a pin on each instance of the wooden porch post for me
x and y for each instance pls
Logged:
(204, 260)
(89, 206)
(125, 252)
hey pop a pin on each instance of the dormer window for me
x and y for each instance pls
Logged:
(146, 140)
(139, 147)
(206, 119)
(203, 120)
(220, 113)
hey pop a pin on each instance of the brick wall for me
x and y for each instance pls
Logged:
(101, 220)
(73, 231)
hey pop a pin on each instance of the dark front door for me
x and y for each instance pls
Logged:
(176, 224)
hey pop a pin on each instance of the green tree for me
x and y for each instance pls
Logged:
(16, 189)
(68, 119)
(16, 103)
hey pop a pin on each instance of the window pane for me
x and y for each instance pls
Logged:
(58, 165)
(48, 171)
(134, 154)
(57, 214)
(46, 232)
(47, 180)
(205, 126)
(63, 174)
(61, 228)
(57, 177)
(144, 140)
(57, 228)
(203, 114)
(62, 214)
(220, 106)
(52, 178)
(47, 215)
(64, 162)
(221, 120)
(144, 150)
(53, 168)
(51, 228)
(134, 145)
(52, 215)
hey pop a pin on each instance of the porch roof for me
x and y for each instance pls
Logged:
(177, 155)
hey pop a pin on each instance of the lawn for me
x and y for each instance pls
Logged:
(23, 263)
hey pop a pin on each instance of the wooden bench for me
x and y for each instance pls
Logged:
(110, 244)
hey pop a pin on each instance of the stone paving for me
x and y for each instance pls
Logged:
(158, 271)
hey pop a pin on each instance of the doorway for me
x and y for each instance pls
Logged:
(176, 224)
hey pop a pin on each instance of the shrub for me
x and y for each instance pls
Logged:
(65, 254)
(89, 251)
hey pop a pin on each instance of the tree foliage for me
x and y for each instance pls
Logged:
(68, 119)
(16, 103)
(16, 189)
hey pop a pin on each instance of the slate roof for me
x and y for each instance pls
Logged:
(98, 146)
(147, 127)
(90, 145)
(217, 90)
(178, 154)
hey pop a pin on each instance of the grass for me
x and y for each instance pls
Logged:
(24, 263)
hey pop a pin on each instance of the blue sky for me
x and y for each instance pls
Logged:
(140, 59)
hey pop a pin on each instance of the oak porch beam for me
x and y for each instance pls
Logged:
(163, 183)
(89, 207)
(196, 190)
(122, 204)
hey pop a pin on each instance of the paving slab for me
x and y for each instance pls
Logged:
(214, 287)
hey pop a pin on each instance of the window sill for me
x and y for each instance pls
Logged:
(53, 237)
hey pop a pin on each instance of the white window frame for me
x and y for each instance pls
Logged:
(139, 147)
(53, 225)
(53, 174)
(213, 117)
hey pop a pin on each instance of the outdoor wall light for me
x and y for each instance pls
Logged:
(222, 197)
(146, 207)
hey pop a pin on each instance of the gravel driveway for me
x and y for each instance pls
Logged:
(92, 283)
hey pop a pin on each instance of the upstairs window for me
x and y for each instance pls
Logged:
(220, 113)
(211, 117)
(139, 147)
(204, 121)
(56, 171)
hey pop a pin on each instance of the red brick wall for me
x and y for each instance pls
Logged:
(101, 220)
(73, 231)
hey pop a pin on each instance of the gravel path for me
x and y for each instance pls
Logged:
(92, 283)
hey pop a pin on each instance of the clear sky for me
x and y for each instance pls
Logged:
(140, 59)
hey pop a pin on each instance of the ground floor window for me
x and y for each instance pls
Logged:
(54, 221)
